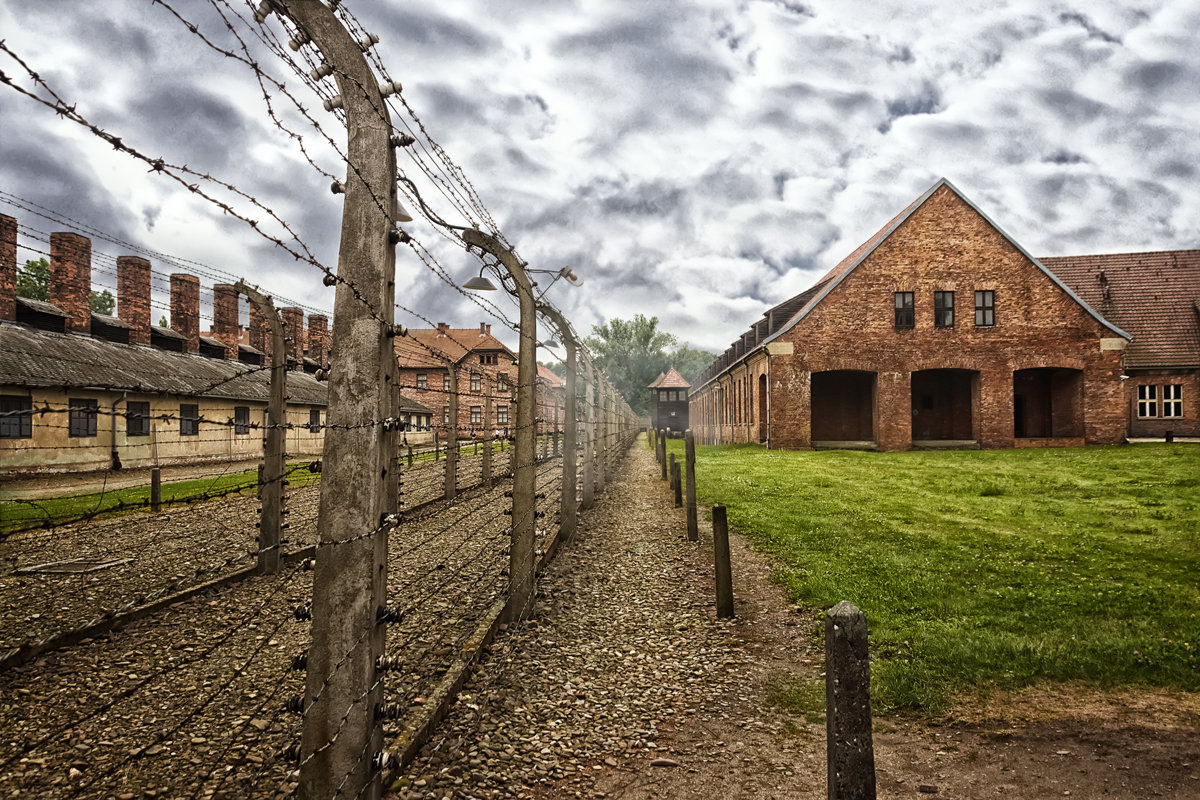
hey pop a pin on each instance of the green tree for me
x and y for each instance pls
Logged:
(632, 353)
(689, 362)
(33, 281)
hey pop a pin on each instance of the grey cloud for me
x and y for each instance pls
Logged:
(1065, 157)
(928, 100)
(1157, 76)
(1093, 30)
(192, 125)
(1071, 107)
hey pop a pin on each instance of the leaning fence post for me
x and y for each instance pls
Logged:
(689, 459)
(410, 455)
(721, 567)
(156, 487)
(850, 752)
(677, 481)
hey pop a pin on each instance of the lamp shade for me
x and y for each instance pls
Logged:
(480, 284)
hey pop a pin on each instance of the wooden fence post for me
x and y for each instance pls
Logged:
(662, 458)
(677, 481)
(156, 488)
(721, 566)
(689, 460)
(850, 751)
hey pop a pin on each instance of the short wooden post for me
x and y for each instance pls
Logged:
(662, 454)
(437, 455)
(721, 567)
(156, 487)
(258, 494)
(410, 455)
(689, 461)
(677, 481)
(850, 751)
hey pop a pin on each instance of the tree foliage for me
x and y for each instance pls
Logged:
(33, 282)
(634, 352)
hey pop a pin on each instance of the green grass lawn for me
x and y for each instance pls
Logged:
(23, 514)
(981, 569)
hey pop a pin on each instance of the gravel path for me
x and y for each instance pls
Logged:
(624, 645)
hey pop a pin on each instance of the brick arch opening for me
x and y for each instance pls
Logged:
(945, 405)
(762, 408)
(843, 406)
(1048, 403)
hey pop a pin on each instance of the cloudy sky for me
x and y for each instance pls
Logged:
(697, 161)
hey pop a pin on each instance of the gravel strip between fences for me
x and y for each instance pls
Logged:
(624, 645)
(190, 702)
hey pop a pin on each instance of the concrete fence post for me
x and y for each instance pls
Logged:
(721, 567)
(156, 488)
(677, 481)
(589, 436)
(485, 469)
(689, 460)
(850, 751)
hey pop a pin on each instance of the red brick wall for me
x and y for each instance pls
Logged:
(225, 327)
(318, 338)
(945, 245)
(293, 334)
(260, 333)
(1187, 425)
(133, 296)
(71, 278)
(8, 267)
(435, 398)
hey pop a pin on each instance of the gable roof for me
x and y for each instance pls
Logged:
(432, 347)
(835, 276)
(671, 380)
(36, 358)
(654, 383)
(1155, 296)
(546, 374)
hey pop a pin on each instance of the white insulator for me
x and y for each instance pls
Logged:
(368, 40)
(402, 214)
(299, 40)
(263, 11)
(389, 88)
(333, 102)
(323, 71)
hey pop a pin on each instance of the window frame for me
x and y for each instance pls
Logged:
(189, 424)
(898, 319)
(502, 415)
(446, 415)
(985, 305)
(476, 415)
(943, 313)
(1172, 401)
(1147, 401)
(476, 382)
(422, 380)
(314, 420)
(18, 422)
(82, 417)
(141, 417)
(502, 382)
(241, 420)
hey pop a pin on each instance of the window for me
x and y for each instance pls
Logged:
(314, 420)
(502, 415)
(476, 415)
(1147, 401)
(137, 419)
(189, 419)
(446, 415)
(1172, 401)
(422, 380)
(502, 383)
(83, 417)
(446, 382)
(476, 382)
(985, 308)
(16, 417)
(904, 311)
(487, 358)
(241, 420)
(943, 309)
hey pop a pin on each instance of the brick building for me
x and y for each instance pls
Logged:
(551, 394)
(669, 402)
(938, 331)
(1156, 297)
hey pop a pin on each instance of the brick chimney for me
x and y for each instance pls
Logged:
(185, 309)
(318, 338)
(293, 334)
(8, 267)
(71, 278)
(133, 296)
(225, 328)
(443, 328)
(260, 338)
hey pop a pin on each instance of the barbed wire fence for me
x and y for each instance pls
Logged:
(240, 691)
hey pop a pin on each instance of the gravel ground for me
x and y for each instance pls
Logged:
(190, 702)
(623, 646)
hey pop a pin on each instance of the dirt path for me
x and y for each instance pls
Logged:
(626, 686)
